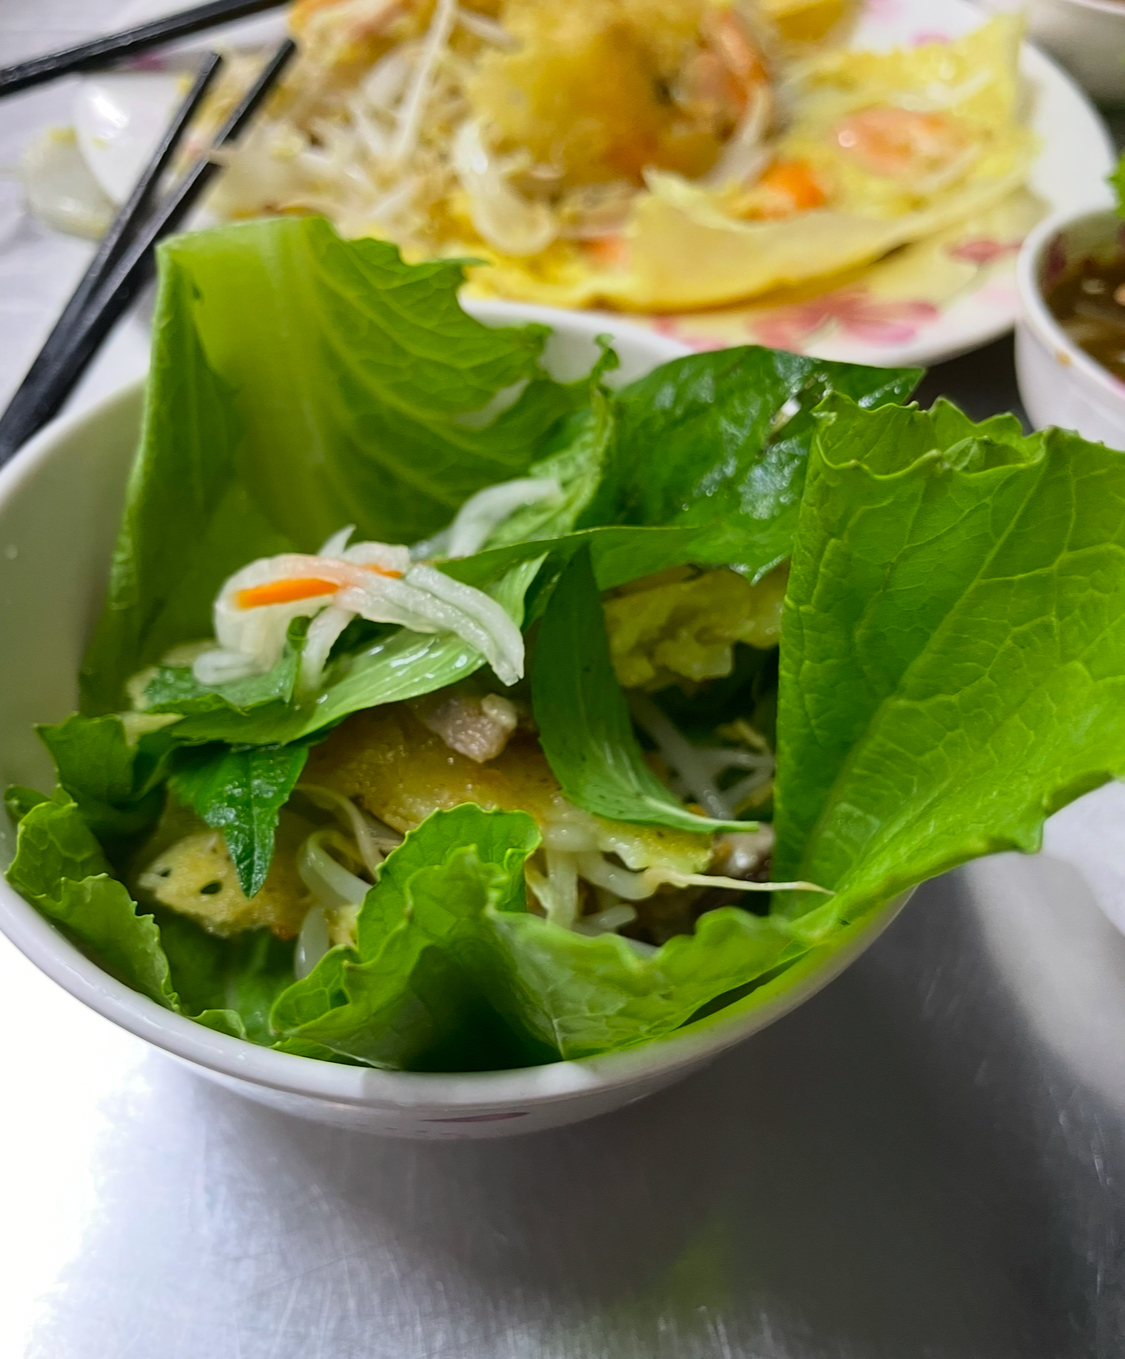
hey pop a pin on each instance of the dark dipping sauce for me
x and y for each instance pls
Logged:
(1088, 301)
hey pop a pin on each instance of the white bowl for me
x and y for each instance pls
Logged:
(1088, 37)
(60, 501)
(1059, 382)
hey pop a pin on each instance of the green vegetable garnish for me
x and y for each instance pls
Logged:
(583, 719)
(1117, 183)
(951, 668)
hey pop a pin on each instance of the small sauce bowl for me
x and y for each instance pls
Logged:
(1059, 382)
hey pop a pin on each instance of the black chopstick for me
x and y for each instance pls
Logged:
(126, 277)
(99, 52)
(26, 411)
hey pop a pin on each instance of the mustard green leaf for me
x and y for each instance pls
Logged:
(953, 647)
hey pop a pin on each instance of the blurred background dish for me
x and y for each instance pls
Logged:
(948, 291)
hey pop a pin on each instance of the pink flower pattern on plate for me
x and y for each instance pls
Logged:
(983, 252)
(883, 9)
(671, 327)
(854, 312)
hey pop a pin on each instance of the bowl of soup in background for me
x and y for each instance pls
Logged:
(1061, 381)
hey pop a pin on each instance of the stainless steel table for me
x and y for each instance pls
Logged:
(925, 1162)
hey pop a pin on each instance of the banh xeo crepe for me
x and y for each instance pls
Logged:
(643, 154)
(445, 716)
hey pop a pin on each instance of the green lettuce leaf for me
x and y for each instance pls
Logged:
(300, 383)
(451, 972)
(364, 390)
(237, 979)
(59, 867)
(427, 987)
(188, 521)
(953, 647)
(226, 985)
(583, 718)
(116, 782)
(240, 790)
(18, 801)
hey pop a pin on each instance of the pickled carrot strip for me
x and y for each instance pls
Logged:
(297, 588)
(284, 592)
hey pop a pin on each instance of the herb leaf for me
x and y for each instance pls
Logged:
(724, 438)
(240, 790)
(584, 724)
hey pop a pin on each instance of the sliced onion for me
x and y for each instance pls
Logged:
(501, 642)
(483, 513)
(322, 635)
(386, 556)
(375, 581)
(337, 544)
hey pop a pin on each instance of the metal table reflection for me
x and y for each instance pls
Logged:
(925, 1162)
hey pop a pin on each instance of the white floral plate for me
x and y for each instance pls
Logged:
(950, 293)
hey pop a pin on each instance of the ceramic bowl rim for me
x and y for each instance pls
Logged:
(1110, 7)
(368, 1088)
(1035, 313)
